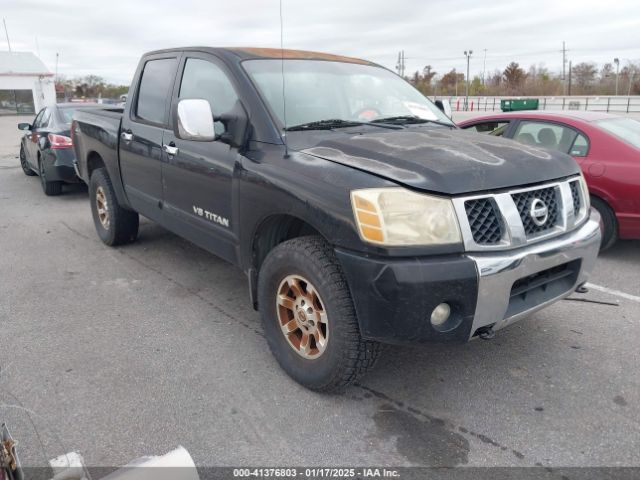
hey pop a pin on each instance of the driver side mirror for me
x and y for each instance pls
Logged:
(445, 106)
(24, 126)
(194, 120)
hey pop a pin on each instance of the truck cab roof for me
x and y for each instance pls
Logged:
(255, 53)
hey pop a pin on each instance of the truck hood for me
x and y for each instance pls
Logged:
(438, 159)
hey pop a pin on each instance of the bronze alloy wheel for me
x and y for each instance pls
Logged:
(302, 317)
(103, 208)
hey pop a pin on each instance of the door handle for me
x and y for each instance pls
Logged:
(126, 136)
(170, 149)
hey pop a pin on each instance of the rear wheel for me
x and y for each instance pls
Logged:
(24, 164)
(114, 224)
(48, 187)
(308, 316)
(608, 223)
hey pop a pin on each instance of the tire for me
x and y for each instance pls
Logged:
(609, 224)
(346, 356)
(114, 224)
(24, 164)
(50, 189)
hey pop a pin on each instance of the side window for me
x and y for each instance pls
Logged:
(153, 92)
(46, 118)
(496, 128)
(546, 135)
(37, 120)
(203, 79)
(580, 147)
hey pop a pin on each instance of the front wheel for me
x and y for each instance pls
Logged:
(308, 316)
(608, 223)
(115, 225)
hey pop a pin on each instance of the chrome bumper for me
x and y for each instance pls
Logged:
(498, 271)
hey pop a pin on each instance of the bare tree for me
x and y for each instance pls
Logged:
(514, 77)
(584, 75)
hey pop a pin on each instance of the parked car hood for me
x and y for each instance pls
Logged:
(440, 160)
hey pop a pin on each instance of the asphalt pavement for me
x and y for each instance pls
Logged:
(122, 352)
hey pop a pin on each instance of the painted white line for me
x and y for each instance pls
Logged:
(617, 293)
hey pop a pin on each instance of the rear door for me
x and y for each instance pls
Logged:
(141, 134)
(198, 178)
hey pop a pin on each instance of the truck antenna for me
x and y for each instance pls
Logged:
(284, 101)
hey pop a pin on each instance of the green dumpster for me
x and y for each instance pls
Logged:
(512, 105)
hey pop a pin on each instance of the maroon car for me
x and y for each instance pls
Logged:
(607, 147)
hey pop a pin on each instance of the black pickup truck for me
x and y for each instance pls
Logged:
(360, 213)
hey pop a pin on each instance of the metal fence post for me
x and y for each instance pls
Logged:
(608, 102)
(586, 103)
(628, 103)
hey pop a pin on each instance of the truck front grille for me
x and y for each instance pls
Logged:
(513, 218)
(524, 201)
(484, 221)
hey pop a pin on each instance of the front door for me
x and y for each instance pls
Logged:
(141, 136)
(199, 177)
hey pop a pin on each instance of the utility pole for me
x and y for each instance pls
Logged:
(403, 64)
(6, 32)
(569, 93)
(564, 64)
(484, 66)
(617, 62)
(56, 76)
(466, 95)
(400, 65)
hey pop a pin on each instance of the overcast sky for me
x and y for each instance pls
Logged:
(107, 37)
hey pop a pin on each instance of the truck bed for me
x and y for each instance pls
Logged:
(96, 135)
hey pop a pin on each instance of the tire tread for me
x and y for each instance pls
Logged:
(359, 355)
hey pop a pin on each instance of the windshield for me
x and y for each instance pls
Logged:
(318, 90)
(626, 129)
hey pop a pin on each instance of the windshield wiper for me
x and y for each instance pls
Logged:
(324, 125)
(409, 119)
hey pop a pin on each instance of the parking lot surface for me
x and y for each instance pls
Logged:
(122, 352)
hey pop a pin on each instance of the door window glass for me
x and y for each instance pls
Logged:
(155, 83)
(495, 128)
(546, 135)
(580, 147)
(46, 118)
(203, 79)
(36, 121)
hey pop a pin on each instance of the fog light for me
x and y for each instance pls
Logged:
(440, 314)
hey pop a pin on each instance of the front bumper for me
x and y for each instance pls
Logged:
(394, 298)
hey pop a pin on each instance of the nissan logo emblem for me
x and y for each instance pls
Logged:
(539, 212)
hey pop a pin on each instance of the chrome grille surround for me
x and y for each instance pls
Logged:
(513, 233)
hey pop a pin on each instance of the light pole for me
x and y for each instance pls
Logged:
(484, 66)
(617, 62)
(466, 99)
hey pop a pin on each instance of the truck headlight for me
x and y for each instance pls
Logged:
(400, 217)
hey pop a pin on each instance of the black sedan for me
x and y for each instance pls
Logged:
(47, 148)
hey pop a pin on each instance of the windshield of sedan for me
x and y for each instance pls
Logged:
(626, 129)
(318, 91)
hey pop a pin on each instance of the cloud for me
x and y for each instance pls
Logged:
(107, 38)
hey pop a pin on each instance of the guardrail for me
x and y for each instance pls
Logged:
(613, 104)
